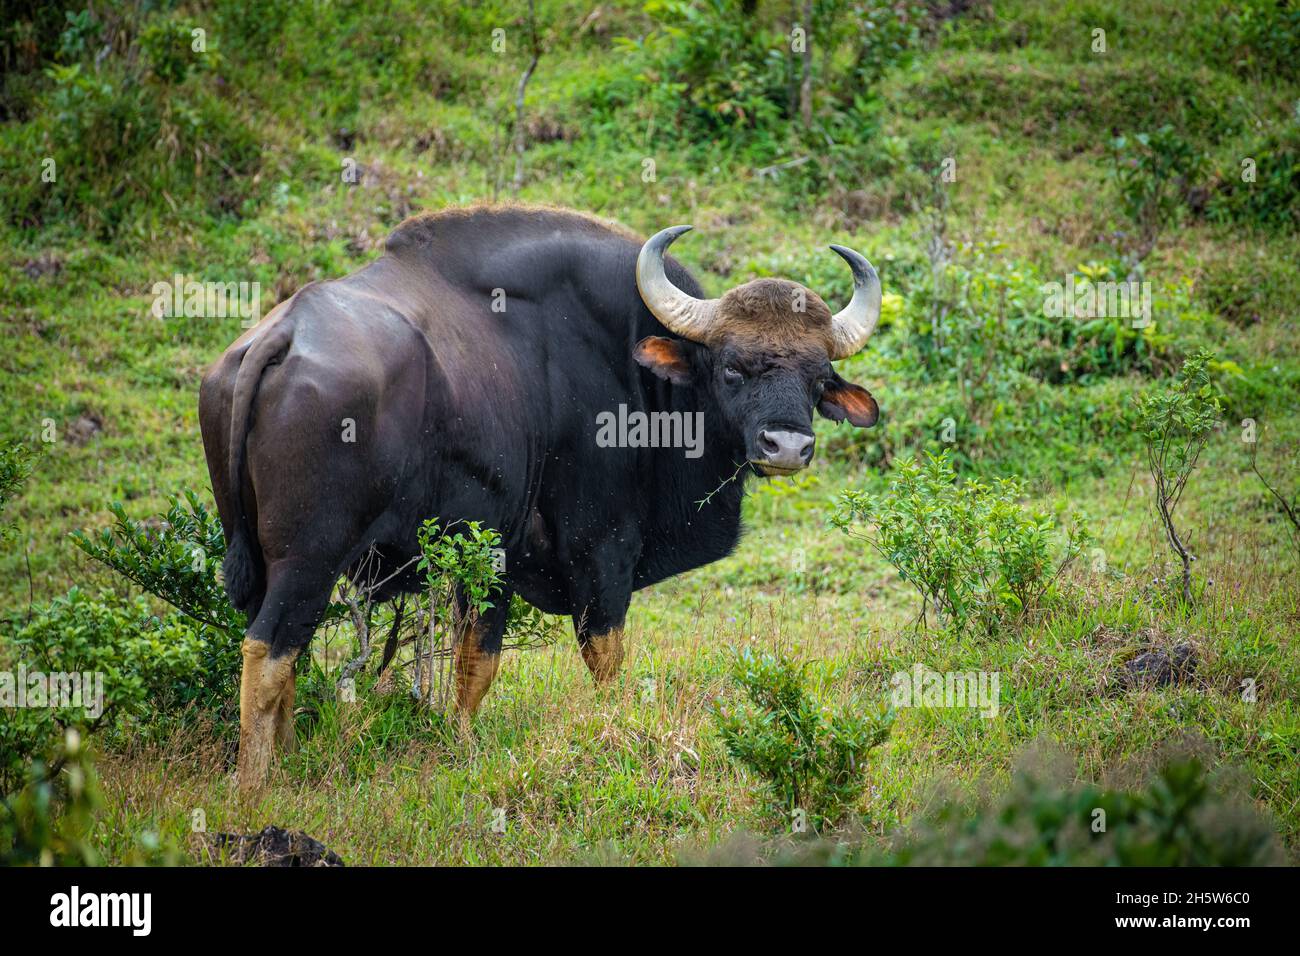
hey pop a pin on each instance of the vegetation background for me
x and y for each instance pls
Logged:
(974, 151)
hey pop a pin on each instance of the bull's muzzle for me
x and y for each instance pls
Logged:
(783, 452)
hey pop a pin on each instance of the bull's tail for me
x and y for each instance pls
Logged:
(243, 573)
(243, 569)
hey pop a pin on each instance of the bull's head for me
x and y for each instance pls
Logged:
(765, 350)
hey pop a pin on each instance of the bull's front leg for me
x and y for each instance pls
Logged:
(478, 652)
(602, 602)
(602, 652)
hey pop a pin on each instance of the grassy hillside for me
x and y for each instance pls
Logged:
(229, 165)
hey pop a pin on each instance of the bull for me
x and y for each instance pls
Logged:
(460, 376)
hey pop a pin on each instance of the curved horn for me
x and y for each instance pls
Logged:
(853, 325)
(686, 315)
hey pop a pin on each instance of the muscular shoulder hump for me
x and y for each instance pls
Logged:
(488, 224)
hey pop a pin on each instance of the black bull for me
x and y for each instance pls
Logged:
(460, 377)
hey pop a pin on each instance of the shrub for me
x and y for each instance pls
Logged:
(883, 36)
(15, 467)
(461, 575)
(1177, 814)
(1271, 198)
(1050, 433)
(981, 321)
(125, 123)
(1176, 420)
(464, 561)
(174, 557)
(1153, 172)
(1264, 35)
(721, 67)
(141, 663)
(812, 761)
(974, 554)
(167, 48)
(47, 821)
(709, 68)
(136, 664)
(1179, 817)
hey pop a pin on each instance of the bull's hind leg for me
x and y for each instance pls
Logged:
(265, 709)
(478, 652)
(295, 600)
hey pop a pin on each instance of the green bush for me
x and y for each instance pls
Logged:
(15, 467)
(168, 49)
(1176, 420)
(718, 67)
(462, 560)
(1265, 36)
(988, 357)
(1272, 199)
(130, 665)
(175, 557)
(977, 558)
(982, 319)
(143, 665)
(1153, 173)
(1047, 432)
(1178, 818)
(126, 123)
(812, 761)
(1174, 814)
(882, 36)
(47, 822)
(709, 68)
(459, 568)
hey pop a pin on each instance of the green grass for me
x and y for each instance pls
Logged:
(637, 773)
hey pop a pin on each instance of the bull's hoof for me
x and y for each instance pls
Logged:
(603, 655)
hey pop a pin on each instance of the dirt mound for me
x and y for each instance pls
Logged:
(273, 846)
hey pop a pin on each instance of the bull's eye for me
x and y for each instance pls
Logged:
(731, 376)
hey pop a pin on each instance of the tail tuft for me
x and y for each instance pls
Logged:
(243, 580)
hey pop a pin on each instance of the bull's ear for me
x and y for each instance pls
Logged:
(841, 400)
(667, 358)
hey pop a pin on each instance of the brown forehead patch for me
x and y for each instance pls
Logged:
(774, 315)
